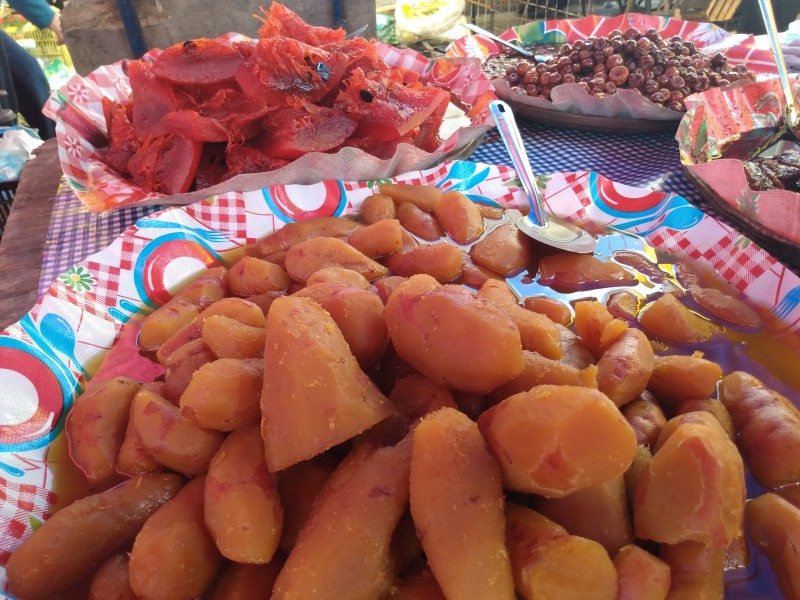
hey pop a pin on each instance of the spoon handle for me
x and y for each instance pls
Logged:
(792, 115)
(493, 37)
(509, 132)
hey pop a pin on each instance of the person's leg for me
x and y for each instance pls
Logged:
(30, 84)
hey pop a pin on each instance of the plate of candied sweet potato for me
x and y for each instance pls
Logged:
(384, 390)
(299, 104)
(628, 74)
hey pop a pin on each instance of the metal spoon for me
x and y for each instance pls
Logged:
(791, 116)
(499, 40)
(537, 224)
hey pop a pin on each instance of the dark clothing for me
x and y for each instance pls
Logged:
(27, 87)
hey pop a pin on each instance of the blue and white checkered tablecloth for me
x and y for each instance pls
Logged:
(639, 160)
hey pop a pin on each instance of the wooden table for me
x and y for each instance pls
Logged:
(25, 233)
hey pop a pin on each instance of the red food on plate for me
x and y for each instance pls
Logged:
(199, 62)
(206, 110)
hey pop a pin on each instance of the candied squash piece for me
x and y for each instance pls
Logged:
(769, 428)
(647, 419)
(245, 582)
(343, 549)
(669, 319)
(225, 394)
(697, 572)
(377, 207)
(504, 250)
(427, 322)
(47, 562)
(678, 377)
(251, 276)
(378, 239)
(693, 488)
(726, 307)
(305, 258)
(96, 427)
(640, 575)
(599, 513)
(293, 233)
(625, 367)
(174, 556)
(170, 438)
(460, 217)
(556, 310)
(567, 271)
(359, 315)
(315, 395)
(424, 197)
(441, 260)
(774, 526)
(457, 505)
(418, 222)
(242, 506)
(550, 564)
(555, 440)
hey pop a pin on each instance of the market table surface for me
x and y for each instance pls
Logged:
(48, 230)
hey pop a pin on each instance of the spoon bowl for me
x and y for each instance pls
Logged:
(537, 225)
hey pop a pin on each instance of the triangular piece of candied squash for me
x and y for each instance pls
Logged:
(315, 395)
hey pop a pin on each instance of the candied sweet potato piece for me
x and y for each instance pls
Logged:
(245, 582)
(340, 276)
(251, 276)
(386, 285)
(669, 319)
(169, 437)
(378, 239)
(181, 365)
(419, 584)
(625, 367)
(567, 271)
(343, 549)
(678, 377)
(359, 315)
(315, 396)
(726, 307)
(555, 440)
(712, 406)
(166, 321)
(225, 394)
(774, 526)
(647, 419)
(539, 370)
(293, 233)
(377, 207)
(550, 564)
(71, 543)
(599, 513)
(696, 571)
(174, 556)
(424, 197)
(441, 260)
(418, 222)
(592, 319)
(242, 506)
(96, 427)
(460, 217)
(504, 250)
(457, 506)
(693, 488)
(555, 309)
(415, 396)
(768, 426)
(229, 338)
(641, 575)
(305, 258)
(473, 275)
(110, 580)
(427, 322)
